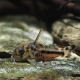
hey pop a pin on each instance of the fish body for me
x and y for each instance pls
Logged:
(41, 52)
(37, 52)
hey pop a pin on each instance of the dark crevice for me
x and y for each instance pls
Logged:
(75, 75)
(5, 55)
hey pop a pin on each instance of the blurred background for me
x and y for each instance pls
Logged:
(20, 23)
(46, 11)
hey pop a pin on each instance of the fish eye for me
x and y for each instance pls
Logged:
(21, 51)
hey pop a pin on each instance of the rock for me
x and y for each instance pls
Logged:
(66, 31)
(40, 71)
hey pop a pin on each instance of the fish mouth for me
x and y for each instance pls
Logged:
(14, 59)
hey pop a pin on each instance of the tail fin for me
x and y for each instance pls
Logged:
(68, 50)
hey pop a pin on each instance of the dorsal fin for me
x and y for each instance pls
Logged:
(38, 36)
